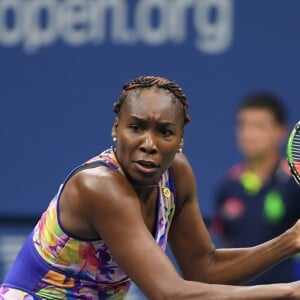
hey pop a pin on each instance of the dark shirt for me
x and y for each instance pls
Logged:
(250, 213)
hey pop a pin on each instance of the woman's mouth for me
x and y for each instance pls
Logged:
(146, 166)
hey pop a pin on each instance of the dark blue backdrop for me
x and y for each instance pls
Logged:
(63, 63)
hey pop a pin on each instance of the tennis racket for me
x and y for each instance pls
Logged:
(293, 152)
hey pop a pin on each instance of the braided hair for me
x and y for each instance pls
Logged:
(150, 81)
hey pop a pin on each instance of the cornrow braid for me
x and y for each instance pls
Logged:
(150, 81)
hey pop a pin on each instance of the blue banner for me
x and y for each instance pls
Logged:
(63, 64)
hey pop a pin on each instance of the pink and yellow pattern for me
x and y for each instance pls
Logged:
(7, 293)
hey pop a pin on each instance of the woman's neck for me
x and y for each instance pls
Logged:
(145, 191)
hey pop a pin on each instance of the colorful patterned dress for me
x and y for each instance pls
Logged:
(53, 264)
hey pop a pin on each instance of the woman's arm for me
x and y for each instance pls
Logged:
(197, 256)
(109, 205)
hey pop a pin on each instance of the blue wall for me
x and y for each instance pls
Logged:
(61, 75)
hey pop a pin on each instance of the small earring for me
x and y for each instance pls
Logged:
(180, 146)
(114, 139)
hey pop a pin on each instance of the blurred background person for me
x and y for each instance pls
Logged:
(257, 198)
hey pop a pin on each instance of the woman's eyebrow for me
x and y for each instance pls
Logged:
(137, 119)
(141, 120)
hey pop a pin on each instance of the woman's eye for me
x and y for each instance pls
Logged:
(136, 127)
(165, 132)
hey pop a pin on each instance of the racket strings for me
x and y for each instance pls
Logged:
(296, 151)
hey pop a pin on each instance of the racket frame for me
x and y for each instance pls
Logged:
(289, 154)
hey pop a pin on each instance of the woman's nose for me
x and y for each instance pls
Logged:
(149, 145)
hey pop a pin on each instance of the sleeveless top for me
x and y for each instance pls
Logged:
(54, 264)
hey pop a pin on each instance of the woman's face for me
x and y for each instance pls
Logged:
(149, 131)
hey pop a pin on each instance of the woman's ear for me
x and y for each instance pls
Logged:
(114, 130)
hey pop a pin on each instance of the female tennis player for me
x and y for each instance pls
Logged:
(113, 216)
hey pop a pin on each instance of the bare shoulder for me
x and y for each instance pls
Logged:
(180, 161)
(184, 178)
(91, 196)
(100, 185)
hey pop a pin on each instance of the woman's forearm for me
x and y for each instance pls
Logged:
(228, 292)
(233, 266)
